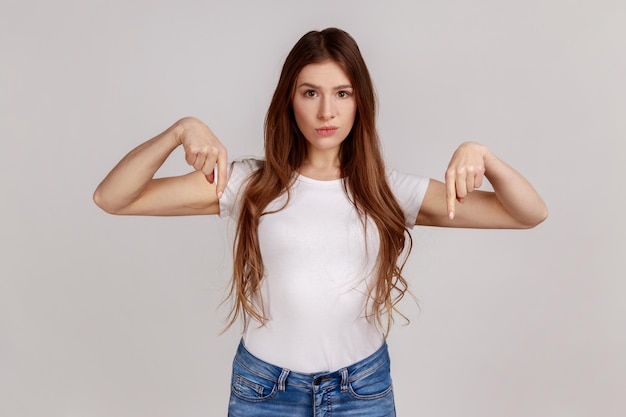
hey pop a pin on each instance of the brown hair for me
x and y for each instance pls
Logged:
(362, 170)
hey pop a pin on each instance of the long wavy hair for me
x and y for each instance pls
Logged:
(362, 171)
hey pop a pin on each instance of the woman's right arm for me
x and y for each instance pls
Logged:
(130, 187)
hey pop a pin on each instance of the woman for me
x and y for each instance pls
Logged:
(322, 230)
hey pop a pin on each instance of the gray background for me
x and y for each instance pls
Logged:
(119, 317)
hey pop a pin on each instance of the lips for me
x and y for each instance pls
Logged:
(326, 130)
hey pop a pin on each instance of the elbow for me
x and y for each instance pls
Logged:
(103, 203)
(536, 219)
(542, 215)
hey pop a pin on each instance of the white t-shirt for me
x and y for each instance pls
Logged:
(318, 260)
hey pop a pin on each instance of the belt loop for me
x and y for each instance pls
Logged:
(282, 379)
(344, 380)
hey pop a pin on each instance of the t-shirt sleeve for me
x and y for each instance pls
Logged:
(239, 172)
(409, 191)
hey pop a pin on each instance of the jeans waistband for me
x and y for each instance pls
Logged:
(341, 376)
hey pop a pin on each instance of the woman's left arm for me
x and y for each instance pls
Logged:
(514, 203)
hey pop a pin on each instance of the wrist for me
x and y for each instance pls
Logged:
(490, 162)
(488, 156)
(181, 127)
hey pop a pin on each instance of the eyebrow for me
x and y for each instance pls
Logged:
(339, 87)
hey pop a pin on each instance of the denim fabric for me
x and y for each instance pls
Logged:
(260, 389)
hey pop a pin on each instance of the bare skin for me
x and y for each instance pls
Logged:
(324, 109)
(131, 189)
(514, 203)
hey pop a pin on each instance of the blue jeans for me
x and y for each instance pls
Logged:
(260, 389)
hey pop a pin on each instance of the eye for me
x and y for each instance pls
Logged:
(310, 93)
(343, 94)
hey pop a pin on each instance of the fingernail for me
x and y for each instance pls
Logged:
(219, 194)
(451, 215)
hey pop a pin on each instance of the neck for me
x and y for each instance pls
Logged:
(321, 165)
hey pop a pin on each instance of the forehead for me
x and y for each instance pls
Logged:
(327, 73)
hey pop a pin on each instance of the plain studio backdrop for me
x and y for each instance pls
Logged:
(105, 316)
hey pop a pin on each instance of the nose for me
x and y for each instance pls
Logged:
(327, 109)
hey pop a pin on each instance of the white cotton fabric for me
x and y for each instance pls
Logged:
(318, 259)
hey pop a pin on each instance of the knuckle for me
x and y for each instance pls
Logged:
(214, 150)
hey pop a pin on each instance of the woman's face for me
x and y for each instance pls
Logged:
(324, 106)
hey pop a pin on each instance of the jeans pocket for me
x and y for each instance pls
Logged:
(249, 386)
(372, 385)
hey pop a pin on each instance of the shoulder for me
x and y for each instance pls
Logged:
(239, 172)
(246, 165)
(409, 190)
(401, 181)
